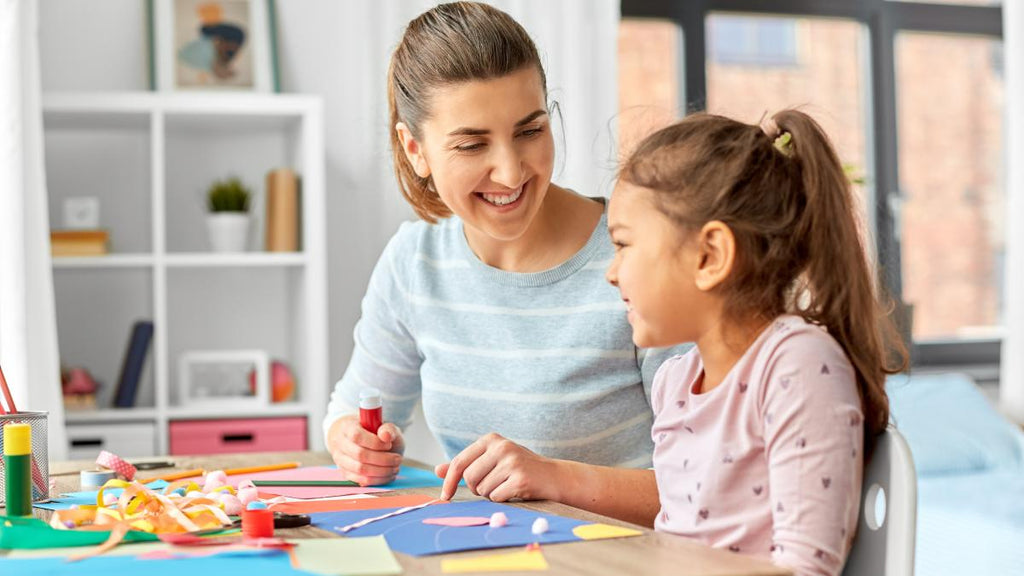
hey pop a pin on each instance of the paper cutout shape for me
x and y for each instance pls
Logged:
(274, 562)
(364, 556)
(370, 503)
(30, 533)
(526, 560)
(87, 497)
(408, 534)
(458, 521)
(602, 531)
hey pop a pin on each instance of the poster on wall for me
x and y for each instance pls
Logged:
(223, 45)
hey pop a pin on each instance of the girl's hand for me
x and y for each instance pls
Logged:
(369, 459)
(499, 470)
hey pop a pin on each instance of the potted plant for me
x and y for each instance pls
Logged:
(228, 218)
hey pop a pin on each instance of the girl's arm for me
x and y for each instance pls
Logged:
(500, 470)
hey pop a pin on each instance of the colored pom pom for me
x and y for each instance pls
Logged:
(498, 519)
(232, 505)
(109, 499)
(247, 495)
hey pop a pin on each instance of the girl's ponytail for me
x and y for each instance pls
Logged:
(837, 289)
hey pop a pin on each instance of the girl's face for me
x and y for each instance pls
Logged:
(654, 269)
(488, 146)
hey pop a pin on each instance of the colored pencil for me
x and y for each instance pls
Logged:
(176, 476)
(267, 468)
(11, 408)
(267, 483)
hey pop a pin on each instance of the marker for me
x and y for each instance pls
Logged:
(371, 409)
(17, 469)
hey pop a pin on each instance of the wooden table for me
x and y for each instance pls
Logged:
(653, 553)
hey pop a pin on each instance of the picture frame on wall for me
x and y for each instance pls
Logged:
(213, 45)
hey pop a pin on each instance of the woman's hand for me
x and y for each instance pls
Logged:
(499, 470)
(366, 458)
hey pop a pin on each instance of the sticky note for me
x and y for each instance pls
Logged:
(525, 560)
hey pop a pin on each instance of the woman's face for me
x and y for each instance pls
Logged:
(487, 145)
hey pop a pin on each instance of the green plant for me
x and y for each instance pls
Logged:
(228, 195)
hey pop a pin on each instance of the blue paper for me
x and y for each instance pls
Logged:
(407, 533)
(409, 477)
(233, 564)
(88, 497)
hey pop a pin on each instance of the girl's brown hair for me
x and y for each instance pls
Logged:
(785, 196)
(447, 44)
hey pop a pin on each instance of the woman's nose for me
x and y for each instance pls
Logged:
(508, 167)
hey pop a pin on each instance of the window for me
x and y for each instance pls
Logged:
(749, 40)
(950, 122)
(650, 60)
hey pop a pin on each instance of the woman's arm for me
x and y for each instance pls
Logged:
(500, 470)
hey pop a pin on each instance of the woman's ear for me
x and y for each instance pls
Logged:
(413, 150)
(716, 247)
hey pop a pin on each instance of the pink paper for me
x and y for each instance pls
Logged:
(458, 521)
(302, 473)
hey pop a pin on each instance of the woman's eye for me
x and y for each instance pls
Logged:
(470, 147)
(531, 132)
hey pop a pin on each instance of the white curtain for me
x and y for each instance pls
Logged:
(1011, 385)
(28, 326)
(340, 50)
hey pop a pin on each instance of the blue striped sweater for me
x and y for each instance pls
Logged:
(545, 359)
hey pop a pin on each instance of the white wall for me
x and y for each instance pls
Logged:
(340, 51)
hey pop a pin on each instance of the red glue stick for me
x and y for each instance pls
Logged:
(371, 410)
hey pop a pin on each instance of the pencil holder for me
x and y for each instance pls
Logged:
(40, 460)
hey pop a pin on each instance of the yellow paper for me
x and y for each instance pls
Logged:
(516, 561)
(602, 531)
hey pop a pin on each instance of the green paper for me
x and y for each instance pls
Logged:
(32, 533)
(368, 556)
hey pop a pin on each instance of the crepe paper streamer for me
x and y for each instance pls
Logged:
(139, 508)
(458, 521)
(33, 533)
(602, 531)
(361, 523)
(367, 503)
(407, 533)
(525, 560)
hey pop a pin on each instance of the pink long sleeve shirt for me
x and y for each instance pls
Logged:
(769, 462)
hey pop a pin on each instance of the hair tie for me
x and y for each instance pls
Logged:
(784, 144)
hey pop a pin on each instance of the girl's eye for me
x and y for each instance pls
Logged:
(618, 245)
(531, 132)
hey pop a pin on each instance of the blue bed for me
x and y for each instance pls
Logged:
(970, 467)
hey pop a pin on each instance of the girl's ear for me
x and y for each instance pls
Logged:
(413, 150)
(716, 247)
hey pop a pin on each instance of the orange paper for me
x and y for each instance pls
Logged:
(311, 506)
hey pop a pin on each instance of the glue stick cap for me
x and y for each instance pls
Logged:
(369, 398)
(17, 439)
(256, 505)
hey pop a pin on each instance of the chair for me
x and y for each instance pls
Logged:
(886, 534)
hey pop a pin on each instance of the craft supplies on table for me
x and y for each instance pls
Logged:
(17, 455)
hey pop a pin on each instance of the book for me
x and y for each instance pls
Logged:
(78, 242)
(134, 361)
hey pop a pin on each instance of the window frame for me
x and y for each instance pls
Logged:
(883, 20)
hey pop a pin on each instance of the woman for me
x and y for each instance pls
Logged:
(493, 309)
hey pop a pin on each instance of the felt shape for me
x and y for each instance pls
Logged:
(523, 561)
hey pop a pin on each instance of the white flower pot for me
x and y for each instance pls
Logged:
(229, 231)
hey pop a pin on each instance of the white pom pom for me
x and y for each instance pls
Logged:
(247, 495)
(195, 494)
(217, 476)
(540, 526)
(498, 519)
(232, 505)
(109, 499)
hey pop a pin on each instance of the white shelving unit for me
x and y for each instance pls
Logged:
(149, 158)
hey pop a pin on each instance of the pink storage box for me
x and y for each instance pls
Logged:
(250, 435)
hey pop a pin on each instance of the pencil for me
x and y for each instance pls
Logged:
(268, 483)
(176, 475)
(11, 408)
(267, 468)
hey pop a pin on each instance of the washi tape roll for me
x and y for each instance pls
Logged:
(95, 479)
(115, 463)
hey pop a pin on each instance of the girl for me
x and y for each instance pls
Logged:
(744, 240)
(493, 308)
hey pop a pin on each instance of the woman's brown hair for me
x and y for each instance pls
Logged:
(447, 44)
(789, 203)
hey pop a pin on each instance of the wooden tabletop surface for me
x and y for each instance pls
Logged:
(653, 553)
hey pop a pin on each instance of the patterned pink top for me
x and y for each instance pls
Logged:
(769, 462)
